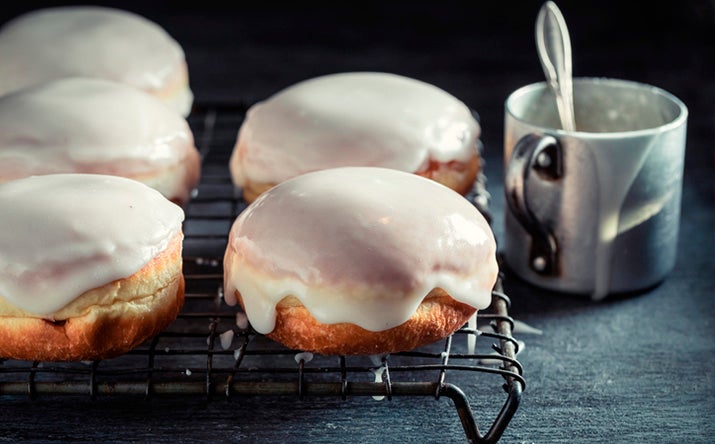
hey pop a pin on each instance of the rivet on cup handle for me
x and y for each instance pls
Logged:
(542, 155)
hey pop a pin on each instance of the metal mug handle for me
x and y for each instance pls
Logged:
(541, 154)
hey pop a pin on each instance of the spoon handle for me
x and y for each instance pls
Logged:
(554, 47)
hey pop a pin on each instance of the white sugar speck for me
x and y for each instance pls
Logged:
(206, 261)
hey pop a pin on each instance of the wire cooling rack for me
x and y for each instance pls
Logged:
(211, 352)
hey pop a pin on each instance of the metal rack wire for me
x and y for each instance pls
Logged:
(209, 351)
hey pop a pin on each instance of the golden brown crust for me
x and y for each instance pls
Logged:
(251, 190)
(458, 176)
(104, 329)
(175, 84)
(437, 317)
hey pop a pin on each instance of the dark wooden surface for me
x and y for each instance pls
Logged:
(630, 369)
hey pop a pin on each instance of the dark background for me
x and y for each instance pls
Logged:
(637, 368)
(478, 51)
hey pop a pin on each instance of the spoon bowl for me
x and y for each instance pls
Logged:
(554, 48)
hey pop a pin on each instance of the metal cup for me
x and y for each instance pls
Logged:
(596, 210)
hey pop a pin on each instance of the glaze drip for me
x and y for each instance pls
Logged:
(358, 244)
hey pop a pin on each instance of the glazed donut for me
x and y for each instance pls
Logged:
(356, 119)
(359, 260)
(90, 125)
(90, 266)
(94, 41)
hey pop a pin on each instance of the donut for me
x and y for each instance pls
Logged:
(359, 261)
(94, 41)
(90, 266)
(356, 119)
(91, 125)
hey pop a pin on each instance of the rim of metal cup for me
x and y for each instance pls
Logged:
(677, 121)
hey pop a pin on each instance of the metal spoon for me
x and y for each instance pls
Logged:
(554, 47)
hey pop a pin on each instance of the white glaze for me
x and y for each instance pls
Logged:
(378, 372)
(89, 125)
(241, 320)
(352, 119)
(64, 234)
(303, 356)
(521, 327)
(92, 41)
(472, 338)
(226, 339)
(358, 244)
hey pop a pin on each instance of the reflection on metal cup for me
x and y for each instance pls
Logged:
(596, 210)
